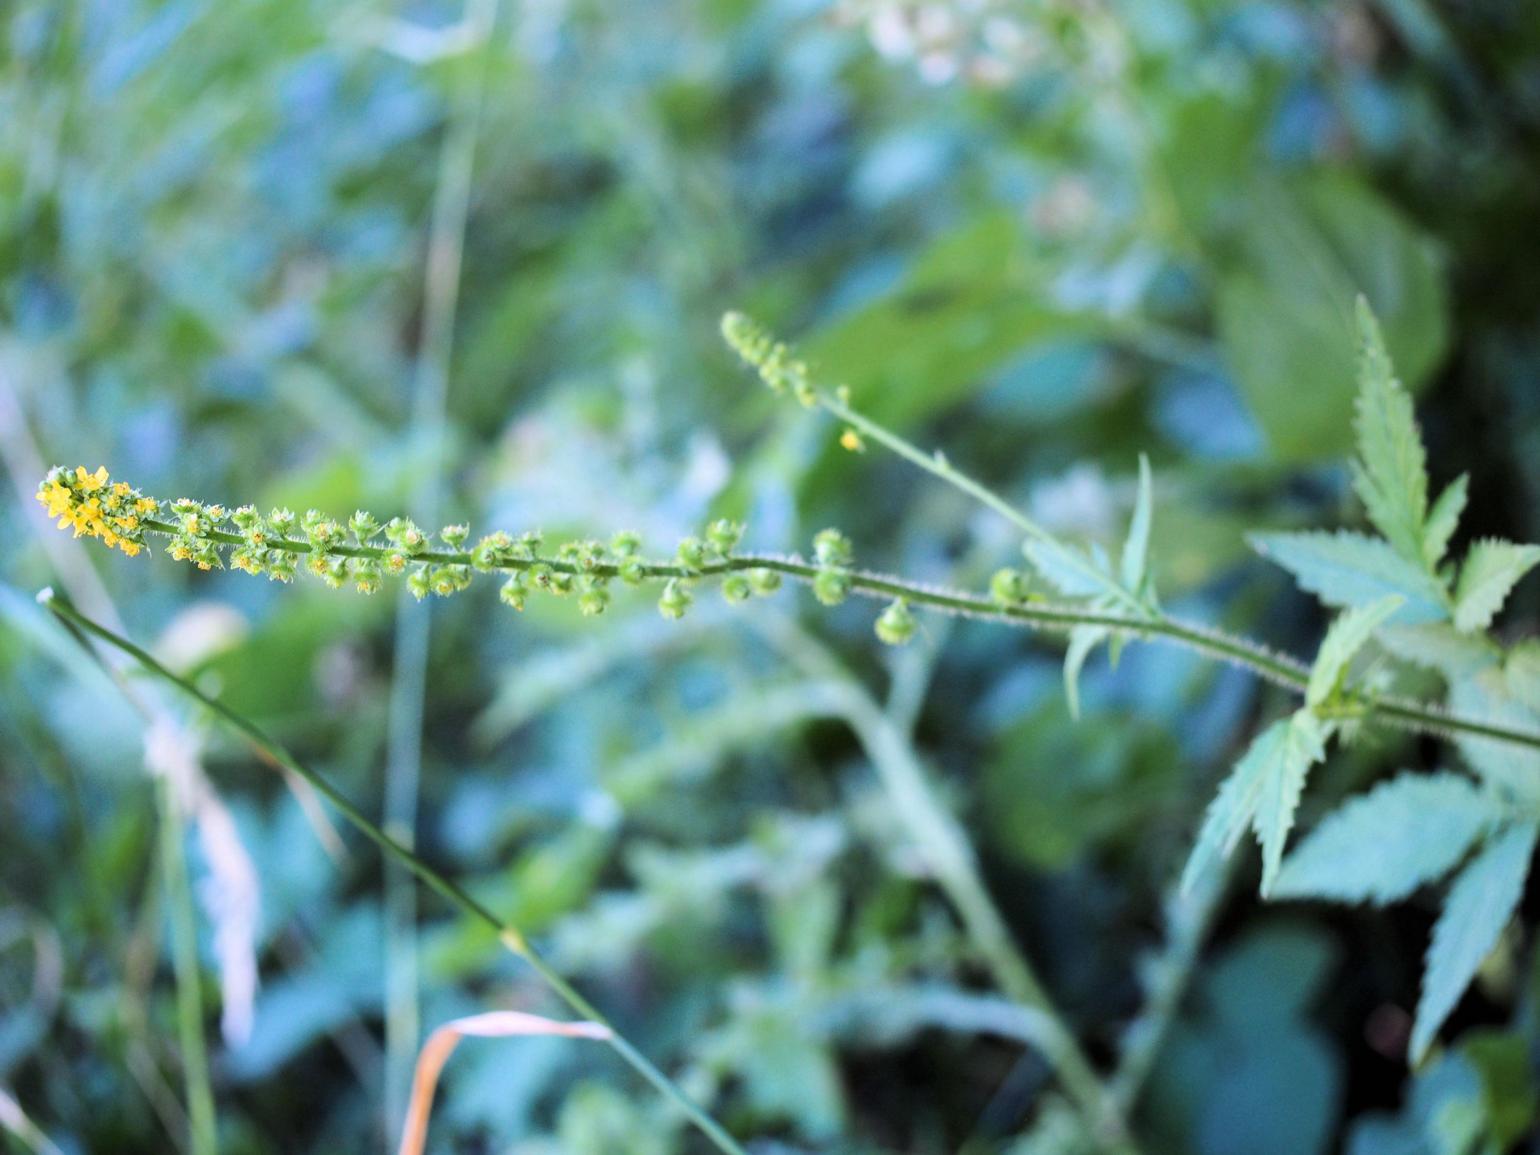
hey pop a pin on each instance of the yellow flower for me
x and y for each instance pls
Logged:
(89, 482)
(80, 500)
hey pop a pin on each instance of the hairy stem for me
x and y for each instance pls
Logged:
(1292, 674)
(509, 936)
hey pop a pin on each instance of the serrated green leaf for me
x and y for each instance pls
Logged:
(1270, 774)
(1492, 568)
(1282, 784)
(1343, 640)
(1082, 640)
(1381, 846)
(1438, 646)
(1480, 903)
(1069, 570)
(1391, 474)
(1353, 569)
(1236, 801)
(1443, 519)
(1136, 549)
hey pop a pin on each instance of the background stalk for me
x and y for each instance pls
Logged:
(509, 936)
(409, 672)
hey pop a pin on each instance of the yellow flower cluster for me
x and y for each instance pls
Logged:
(94, 507)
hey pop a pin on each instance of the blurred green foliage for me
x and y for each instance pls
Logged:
(1046, 237)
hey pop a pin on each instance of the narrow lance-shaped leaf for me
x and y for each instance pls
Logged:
(1492, 568)
(1070, 570)
(1381, 846)
(1282, 784)
(1479, 906)
(1344, 639)
(1444, 519)
(1391, 473)
(1136, 549)
(1082, 640)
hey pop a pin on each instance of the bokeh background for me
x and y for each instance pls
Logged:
(412, 256)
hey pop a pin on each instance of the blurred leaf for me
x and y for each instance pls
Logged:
(1286, 307)
(975, 298)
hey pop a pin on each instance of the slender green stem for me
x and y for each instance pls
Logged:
(202, 1127)
(1419, 717)
(938, 465)
(509, 936)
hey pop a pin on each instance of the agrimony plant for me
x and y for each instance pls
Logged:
(1402, 600)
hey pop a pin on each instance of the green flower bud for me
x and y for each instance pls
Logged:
(492, 551)
(626, 543)
(764, 581)
(593, 602)
(454, 536)
(691, 553)
(528, 545)
(1008, 587)
(736, 588)
(832, 548)
(405, 536)
(674, 600)
(724, 535)
(282, 522)
(280, 566)
(364, 526)
(366, 575)
(250, 559)
(420, 582)
(512, 593)
(246, 518)
(831, 586)
(633, 572)
(895, 625)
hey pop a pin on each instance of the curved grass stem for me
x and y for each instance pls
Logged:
(509, 936)
(202, 1122)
